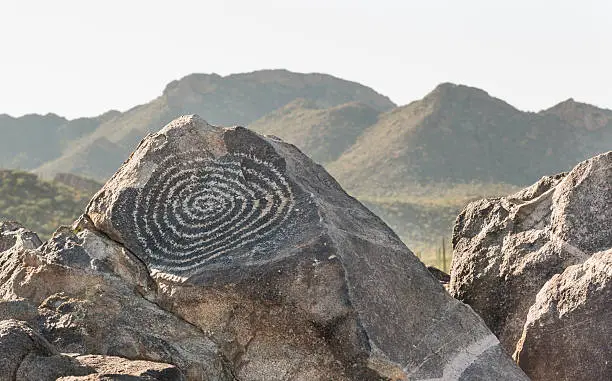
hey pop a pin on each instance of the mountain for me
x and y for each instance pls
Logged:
(461, 135)
(593, 125)
(239, 99)
(38, 204)
(416, 165)
(421, 163)
(582, 115)
(324, 133)
(31, 140)
(234, 99)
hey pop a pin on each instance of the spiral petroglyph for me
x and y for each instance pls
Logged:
(195, 209)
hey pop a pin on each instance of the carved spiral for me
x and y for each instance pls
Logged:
(196, 209)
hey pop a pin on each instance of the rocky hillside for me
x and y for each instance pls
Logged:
(421, 163)
(221, 254)
(44, 205)
(582, 115)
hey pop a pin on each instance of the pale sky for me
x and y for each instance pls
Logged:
(82, 58)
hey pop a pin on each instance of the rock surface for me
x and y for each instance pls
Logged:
(18, 340)
(14, 234)
(25, 355)
(440, 275)
(93, 298)
(219, 254)
(506, 249)
(568, 333)
(117, 368)
(250, 241)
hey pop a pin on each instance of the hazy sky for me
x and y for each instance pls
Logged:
(81, 58)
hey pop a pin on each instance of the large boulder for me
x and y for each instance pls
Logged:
(568, 332)
(506, 249)
(248, 240)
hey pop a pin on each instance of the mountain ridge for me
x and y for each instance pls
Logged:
(458, 134)
(236, 99)
(416, 165)
(581, 114)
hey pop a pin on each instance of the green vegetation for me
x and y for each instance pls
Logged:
(423, 217)
(39, 205)
(458, 134)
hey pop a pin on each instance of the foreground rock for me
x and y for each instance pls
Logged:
(87, 295)
(250, 241)
(27, 356)
(507, 249)
(568, 332)
(17, 341)
(218, 254)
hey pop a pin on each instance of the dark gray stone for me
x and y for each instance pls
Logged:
(17, 341)
(249, 240)
(8, 234)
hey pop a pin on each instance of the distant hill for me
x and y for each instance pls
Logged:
(237, 99)
(461, 135)
(593, 126)
(582, 115)
(40, 205)
(31, 140)
(421, 163)
(324, 133)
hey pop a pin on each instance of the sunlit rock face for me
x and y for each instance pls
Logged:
(514, 257)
